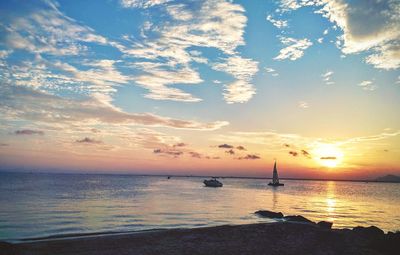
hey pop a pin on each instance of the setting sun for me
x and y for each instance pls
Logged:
(328, 155)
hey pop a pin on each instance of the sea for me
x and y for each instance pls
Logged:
(39, 205)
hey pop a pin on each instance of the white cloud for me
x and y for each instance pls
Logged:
(327, 77)
(320, 40)
(272, 71)
(295, 48)
(386, 57)
(214, 24)
(243, 70)
(287, 5)
(303, 104)
(371, 26)
(142, 3)
(368, 26)
(277, 23)
(179, 12)
(238, 92)
(367, 85)
(157, 79)
(51, 32)
(99, 78)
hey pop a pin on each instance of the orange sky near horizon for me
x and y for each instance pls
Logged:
(205, 87)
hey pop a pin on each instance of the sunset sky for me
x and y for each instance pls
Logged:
(203, 87)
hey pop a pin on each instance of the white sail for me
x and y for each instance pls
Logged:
(275, 178)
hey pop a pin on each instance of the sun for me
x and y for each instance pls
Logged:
(328, 155)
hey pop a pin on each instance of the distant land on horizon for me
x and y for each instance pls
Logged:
(388, 178)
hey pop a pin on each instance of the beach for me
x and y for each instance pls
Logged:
(263, 238)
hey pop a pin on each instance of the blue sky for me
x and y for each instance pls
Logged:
(197, 72)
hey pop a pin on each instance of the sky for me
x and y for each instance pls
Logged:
(202, 87)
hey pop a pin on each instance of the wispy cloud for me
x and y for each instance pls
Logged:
(305, 153)
(142, 3)
(243, 70)
(172, 152)
(328, 158)
(215, 24)
(271, 71)
(276, 22)
(231, 152)
(28, 132)
(50, 31)
(194, 154)
(295, 48)
(249, 157)
(287, 5)
(25, 103)
(301, 145)
(225, 146)
(88, 140)
(327, 77)
(367, 85)
(303, 104)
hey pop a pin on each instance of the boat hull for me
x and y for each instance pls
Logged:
(276, 184)
(213, 183)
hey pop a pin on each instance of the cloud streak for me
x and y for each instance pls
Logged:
(243, 70)
(28, 132)
(29, 104)
(294, 48)
(88, 140)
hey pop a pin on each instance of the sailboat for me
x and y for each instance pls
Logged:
(275, 178)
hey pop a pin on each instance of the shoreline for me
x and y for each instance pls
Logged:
(286, 237)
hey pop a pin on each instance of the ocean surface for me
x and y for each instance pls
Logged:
(42, 205)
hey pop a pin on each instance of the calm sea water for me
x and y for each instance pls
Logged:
(39, 205)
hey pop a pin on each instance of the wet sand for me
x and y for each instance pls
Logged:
(265, 238)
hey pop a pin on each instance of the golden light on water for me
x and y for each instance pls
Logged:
(328, 155)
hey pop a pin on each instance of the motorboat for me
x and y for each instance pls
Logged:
(213, 183)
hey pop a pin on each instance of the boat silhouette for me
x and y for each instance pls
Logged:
(275, 179)
(213, 183)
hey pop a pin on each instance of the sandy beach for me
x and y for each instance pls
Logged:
(264, 238)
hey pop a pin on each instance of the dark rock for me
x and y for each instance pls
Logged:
(369, 232)
(297, 218)
(270, 214)
(391, 243)
(7, 248)
(325, 224)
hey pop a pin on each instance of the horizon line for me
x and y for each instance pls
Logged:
(200, 176)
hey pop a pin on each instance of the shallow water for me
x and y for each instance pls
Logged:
(38, 205)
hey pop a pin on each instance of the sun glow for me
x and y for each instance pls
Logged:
(328, 155)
